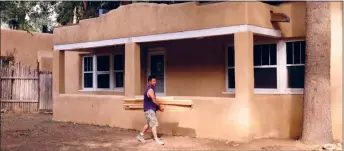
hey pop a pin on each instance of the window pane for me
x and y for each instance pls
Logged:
(230, 56)
(119, 79)
(265, 78)
(119, 62)
(273, 54)
(296, 76)
(297, 52)
(303, 49)
(265, 55)
(231, 79)
(88, 80)
(257, 55)
(103, 81)
(157, 65)
(103, 63)
(157, 68)
(289, 53)
(88, 64)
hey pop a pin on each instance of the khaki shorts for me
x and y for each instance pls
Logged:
(151, 118)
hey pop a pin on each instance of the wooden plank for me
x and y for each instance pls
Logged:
(169, 102)
(279, 17)
(38, 87)
(27, 101)
(166, 107)
(130, 104)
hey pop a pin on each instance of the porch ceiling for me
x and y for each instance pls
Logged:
(172, 36)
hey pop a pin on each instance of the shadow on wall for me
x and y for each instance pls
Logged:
(295, 130)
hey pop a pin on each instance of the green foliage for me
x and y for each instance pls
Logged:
(27, 15)
(65, 10)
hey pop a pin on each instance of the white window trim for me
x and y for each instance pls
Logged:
(285, 71)
(157, 51)
(95, 73)
(113, 71)
(83, 72)
(281, 71)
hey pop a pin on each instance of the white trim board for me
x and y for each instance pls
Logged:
(173, 36)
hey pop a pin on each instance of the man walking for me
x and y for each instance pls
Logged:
(150, 106)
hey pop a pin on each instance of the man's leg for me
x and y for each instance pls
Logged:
(140, 136)
(145, 129)
(153, 123)
(155, 133)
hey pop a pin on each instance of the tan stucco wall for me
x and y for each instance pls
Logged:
(212, 117)
(336, 68)
(277, 116)
(297, 13)
(28, 47)
(161, 18)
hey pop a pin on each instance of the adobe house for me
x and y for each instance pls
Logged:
(241, 64)
(28, 48)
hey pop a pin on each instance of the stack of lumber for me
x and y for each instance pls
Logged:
(168, 103)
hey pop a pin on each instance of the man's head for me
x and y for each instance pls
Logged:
(152, 80)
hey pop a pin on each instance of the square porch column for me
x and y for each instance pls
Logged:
(244, 71)
(58, 73)
(132, 78)
(244, 81)
(58, 82)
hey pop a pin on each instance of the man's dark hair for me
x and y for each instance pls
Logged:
(151, 77)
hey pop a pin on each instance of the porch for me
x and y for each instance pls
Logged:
(206, 70)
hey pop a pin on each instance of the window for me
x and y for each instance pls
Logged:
(103, 72)
(88, 72)
(230, 69)
(295, 64)
(119, 71)
(156, 66)
(278, 68)
(265, 66)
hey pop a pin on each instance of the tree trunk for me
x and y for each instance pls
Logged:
(317, 127)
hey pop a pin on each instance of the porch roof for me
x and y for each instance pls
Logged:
(143, 22)
(172, 36)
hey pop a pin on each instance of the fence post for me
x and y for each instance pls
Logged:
(38, 86)
(1, 81)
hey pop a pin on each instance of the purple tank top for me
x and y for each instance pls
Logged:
(148, 103)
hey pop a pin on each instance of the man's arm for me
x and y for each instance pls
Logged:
(152, 95)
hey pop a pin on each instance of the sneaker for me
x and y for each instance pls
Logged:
(159, 141)
(140, 138)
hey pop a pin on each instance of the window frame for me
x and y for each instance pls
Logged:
(285, 70)
(83, 72)
(95, 74)
(117, 71)
(281, 66)
(268, 90)
(157, 51)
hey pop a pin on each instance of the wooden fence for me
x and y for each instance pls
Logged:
(46, 87)
(24, 89)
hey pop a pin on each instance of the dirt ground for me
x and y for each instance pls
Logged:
(37, 132)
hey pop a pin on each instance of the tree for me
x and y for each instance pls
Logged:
(27, 15)
(89, 9)
(317, 127)
(84, 9)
